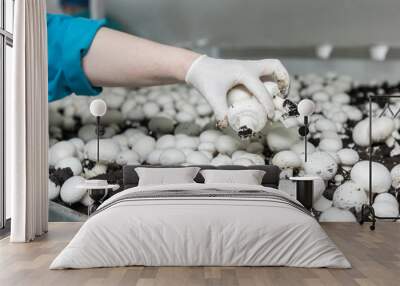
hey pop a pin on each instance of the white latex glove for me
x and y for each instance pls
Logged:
(213, 78)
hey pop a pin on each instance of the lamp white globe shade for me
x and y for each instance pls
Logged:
(306, 107)
(98, 107)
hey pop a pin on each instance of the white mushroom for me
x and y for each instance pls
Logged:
(59, 151)
(128, 157)
(187, 142)
(70, 193)
(207, 146)
(210, 136)
(197, 158)
(286, 159)
(221, 159)
(71, 162)
(172, 157)
(386, 209)
(54, 190)
(322, 204)
(243, 162)
(330, 144)
(337, 215)
(281, 138)
(150, 109)
(386, 197)
(166, 142)
(299, 148)
(144, 146)
(154, 157)
(349, 195)
(109, 149)
(395, 174)
(226, 144)
(382, 128)
(348, 157)
(255, 147)
(78, 143)
(321, 164)
(325, 125)
(381, 178)
(161, 124)
(122, 140)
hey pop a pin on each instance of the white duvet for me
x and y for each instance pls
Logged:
(200, 231)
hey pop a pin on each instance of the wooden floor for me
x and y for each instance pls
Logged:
(375, 257)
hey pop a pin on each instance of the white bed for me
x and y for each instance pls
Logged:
(258, 226)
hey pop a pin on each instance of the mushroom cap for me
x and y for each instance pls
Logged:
(144, 146)
(127, 157)
(255, 147)
(154, 157)
(330, 144)
(322, 204)
(166, 141)
(197, 158)
(243, 162)
(325, 125)
(69, 192)
(382, 128)
(321, 164)
(207, 146)
(188, 128)
(281, 138)
(337, 215)
(78, 143)
(54, 190)
(226, 144)
(395, 173)
(161, 125)
(348, 157)
(299, 148)
(386, 197)
(109, 149)
(210, 135)
(71, 162)
(150, 109)
(187, 142)
(386, 209)
(86, 200)
(172, 157)
(349, 195)
(287, 159)
(381, 178)
(61, 150)
(221, 159)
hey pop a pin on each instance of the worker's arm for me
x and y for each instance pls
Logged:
(120, 59)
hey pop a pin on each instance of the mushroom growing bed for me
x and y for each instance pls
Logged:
(174, 124)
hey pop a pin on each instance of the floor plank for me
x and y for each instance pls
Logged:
(375, 257)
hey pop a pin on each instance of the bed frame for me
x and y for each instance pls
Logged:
(369, 207)
(270, 179)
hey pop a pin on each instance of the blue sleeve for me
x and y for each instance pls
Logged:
(69, 40)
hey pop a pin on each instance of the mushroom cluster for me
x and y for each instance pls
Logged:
(174, 125)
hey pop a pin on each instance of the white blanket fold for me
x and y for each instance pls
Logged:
(169, 229)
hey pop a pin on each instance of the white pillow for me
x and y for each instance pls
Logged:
(246, 177)
(166, 176)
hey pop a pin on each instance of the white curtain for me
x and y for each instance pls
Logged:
(27, 123)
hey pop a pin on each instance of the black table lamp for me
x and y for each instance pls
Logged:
(305, 108)
(98, 108)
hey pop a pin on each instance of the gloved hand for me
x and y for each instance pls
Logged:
(213, 78)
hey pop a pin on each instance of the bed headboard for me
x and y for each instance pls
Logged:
(271, 177)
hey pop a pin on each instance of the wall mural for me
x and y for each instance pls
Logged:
(174, 125)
